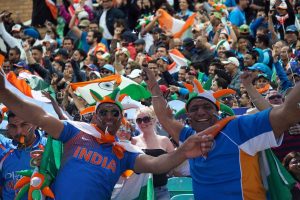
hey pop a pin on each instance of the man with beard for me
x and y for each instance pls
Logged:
(93, 39)
(237, 144)
(25, 138)
(91, 149)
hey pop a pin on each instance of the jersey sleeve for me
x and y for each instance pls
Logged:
(68, 132)
(130, 160)
(252, 133)
(185, 133)
(234, 18)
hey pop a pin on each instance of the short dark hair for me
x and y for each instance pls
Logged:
(16, 49)
(264, 39)
(68, 38)
(10, 114)
(38, 47)
(153, 61)
(222, 82)
(97, 35)
(82, 52)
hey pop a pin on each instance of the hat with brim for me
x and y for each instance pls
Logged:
(265, 76)
(84, 23)
(20, 64)
(135, 73)
(244, 29)
(109, 67)
(282, 5)
(232, 60)
(165, 59)
(262, 68)
(139, 42)
(91, 67)
(16, 28)
(291, 29)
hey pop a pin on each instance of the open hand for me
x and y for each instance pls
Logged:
(247, 78)
(26, 46)
(148, 76)
(197, 145)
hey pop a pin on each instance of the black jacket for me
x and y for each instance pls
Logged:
(111, 15)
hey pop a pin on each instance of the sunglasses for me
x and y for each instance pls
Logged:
(275, 97)
(146, 119)
(103, 113)
(105, 72)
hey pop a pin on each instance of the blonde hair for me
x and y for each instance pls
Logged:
(147, 110)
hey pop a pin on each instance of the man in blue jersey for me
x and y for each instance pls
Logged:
(237, 15)
(16, 156)
(231, 169)
(92, 161)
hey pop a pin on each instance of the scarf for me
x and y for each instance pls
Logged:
(106, 138)
(281, 19)
(264, 89)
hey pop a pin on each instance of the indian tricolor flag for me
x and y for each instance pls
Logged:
(105, 86)
(277, 181)
(179, 28)
(24, 92)
(21, 84)
(136, 187)
(179, 61)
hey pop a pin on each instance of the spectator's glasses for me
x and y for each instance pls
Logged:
(275, 97)
(145, 119)
(86, 117)
(105, 72)
(103, 113)
(6, 68)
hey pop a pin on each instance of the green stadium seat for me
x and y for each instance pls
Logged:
(180, 185)
(183, 197)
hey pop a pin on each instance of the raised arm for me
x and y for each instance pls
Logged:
(29, 112)
(195, 146)
(73, 27)
(288, 114)
(162, 111)
(257, 99)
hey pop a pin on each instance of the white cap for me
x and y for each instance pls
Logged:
(16, 27)
(282, 5)
(83, 15)
(232, 60)
(135, 73)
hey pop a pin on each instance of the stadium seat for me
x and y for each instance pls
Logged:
(183, 197)
(180, 185)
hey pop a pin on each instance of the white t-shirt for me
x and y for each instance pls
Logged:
(102, 24)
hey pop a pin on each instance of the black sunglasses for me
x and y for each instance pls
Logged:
(103, 113)
(105, 72)
(146, 119)
(275, 96)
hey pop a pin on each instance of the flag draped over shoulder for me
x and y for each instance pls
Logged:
(276, 178)
(105, 86)
(179, 28)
